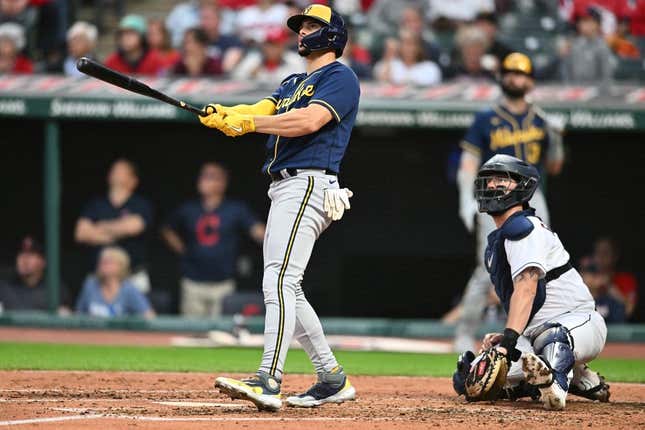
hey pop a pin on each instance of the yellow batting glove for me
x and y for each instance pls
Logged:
(236, 125)
(214, 119)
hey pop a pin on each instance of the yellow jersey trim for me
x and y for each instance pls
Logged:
(467, 146)
(328, 106)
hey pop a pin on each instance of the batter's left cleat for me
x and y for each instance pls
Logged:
(262, 389)
(538, 373)
(332, 387)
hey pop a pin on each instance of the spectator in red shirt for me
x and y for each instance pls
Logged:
(12, 42)
(133, 55)
(606, 254)
(195, 60)
(159, 40)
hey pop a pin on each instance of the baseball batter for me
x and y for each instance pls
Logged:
(514, 127)
(309, 119)
(552, 323)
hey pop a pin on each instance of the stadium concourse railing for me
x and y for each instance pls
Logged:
(406, 328)
(53, 98)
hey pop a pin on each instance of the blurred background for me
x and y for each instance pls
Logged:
(72, 147)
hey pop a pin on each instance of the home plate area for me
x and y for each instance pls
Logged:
(99, 400)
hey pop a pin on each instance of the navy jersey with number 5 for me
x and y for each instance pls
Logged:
(335, 87)
(498, 131)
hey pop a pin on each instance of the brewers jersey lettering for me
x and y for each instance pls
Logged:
(335, 87)
(498, 131)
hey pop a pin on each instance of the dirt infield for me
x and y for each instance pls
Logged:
(127, 400)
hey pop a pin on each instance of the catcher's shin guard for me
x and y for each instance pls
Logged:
(554, 345)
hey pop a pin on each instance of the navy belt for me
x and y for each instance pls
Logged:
(287, 173)
(554, 274)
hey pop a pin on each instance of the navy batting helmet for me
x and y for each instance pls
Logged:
(502, 197)
(333, 34)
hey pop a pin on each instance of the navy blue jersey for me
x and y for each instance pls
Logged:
(101, 209)
(498, 131)
(333, 86)
(211, 238)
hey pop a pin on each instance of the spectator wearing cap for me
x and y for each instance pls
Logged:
(133, 55)
(122, 218)
(271, 63)
(12, 42)
(26, 290)
(159, 40)
(587, 58)
(254, 23)
(404, 63)
(497, 50)
(109, 293)
(194, 60)
(81, 42)
(607, 304)
(228, 49)
(206, 233)
(606, 255)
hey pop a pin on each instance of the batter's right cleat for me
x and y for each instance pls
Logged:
(589, 384)
(538, 373)
(262, 389)
(332, 387)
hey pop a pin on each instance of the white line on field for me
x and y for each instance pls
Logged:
(178, 419)
(49, 420)
(204, 404)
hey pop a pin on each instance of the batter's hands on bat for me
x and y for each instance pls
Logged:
(336, 201)
(236, 124)
(214, 119)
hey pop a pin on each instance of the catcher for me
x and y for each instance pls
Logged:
(552, 329)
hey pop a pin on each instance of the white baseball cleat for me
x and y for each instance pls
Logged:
(589, 384)
(323, 392)
(263, 392)
(538, 373)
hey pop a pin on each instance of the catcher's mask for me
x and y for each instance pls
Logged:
(332, 35)
(503, 182)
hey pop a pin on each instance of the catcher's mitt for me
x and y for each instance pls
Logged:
(487, 376)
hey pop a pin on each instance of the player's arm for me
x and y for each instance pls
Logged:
(294, 123)
(126, 226)
(89, 233)
(173, 240)
(524, 290)
(468, 167)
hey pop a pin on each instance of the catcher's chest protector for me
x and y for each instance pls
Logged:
(517, 227)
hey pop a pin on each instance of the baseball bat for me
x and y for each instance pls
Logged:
(99, 71)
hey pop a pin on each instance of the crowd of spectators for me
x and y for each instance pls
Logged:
(401, 42)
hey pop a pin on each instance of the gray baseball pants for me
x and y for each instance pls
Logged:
(296, 220)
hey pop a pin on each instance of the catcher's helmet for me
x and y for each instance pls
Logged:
(518, 63)
(499, 199)
(333, 34)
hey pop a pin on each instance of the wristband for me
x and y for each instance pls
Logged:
(509, 341)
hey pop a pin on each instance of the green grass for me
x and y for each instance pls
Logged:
(37, 356)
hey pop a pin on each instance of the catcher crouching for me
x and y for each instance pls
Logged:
(552, 329)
